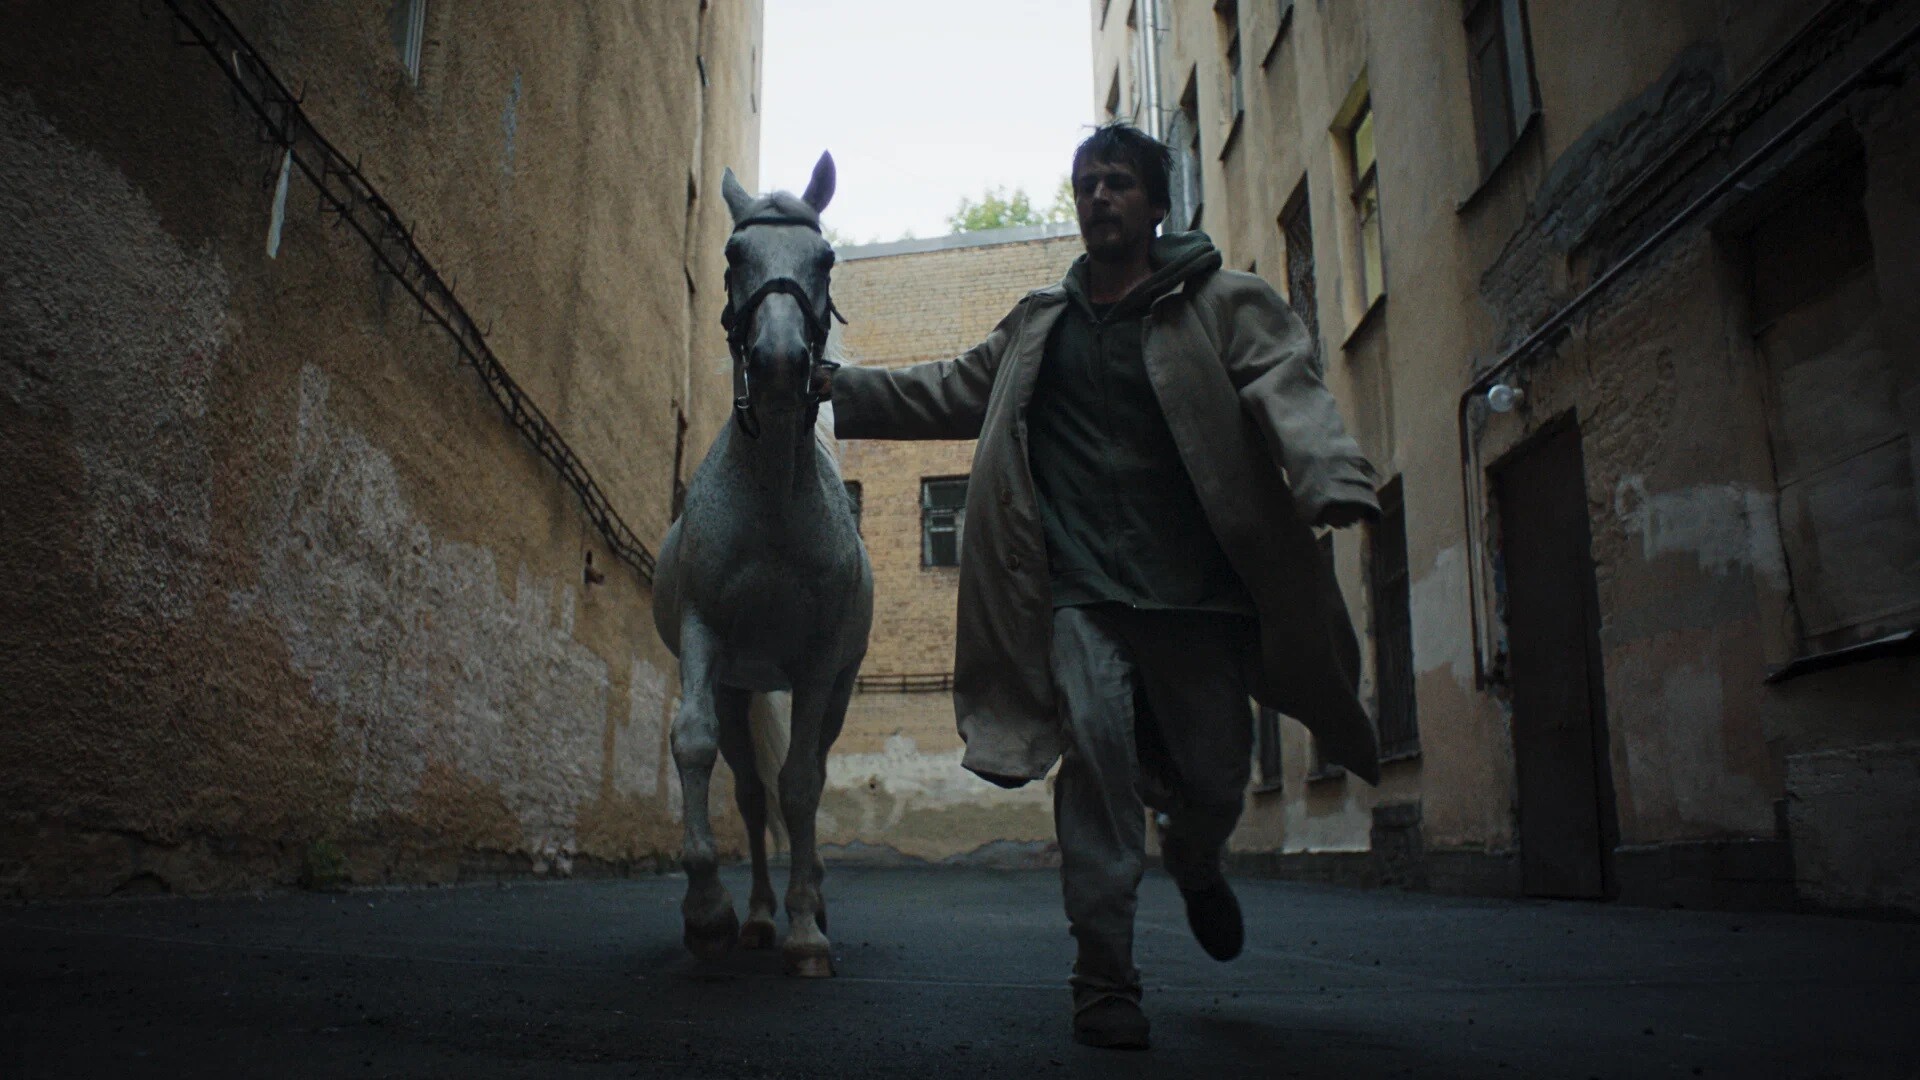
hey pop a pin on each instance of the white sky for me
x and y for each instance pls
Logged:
(922, 103)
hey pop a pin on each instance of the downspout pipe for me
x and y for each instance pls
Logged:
(1555, 326)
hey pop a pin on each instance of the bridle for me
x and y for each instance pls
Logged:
(738, 316)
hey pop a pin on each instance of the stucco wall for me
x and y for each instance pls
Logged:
(284, 595)
(1697, 601)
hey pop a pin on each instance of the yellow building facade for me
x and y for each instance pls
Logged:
(1620, 299)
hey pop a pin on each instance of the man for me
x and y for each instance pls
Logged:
(1154, 449)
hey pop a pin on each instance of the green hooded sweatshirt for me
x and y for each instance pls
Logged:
(1121, 518)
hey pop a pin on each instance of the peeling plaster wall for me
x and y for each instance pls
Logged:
(1696, 596)
(284, 599)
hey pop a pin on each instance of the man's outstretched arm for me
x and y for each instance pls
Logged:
(940, 399)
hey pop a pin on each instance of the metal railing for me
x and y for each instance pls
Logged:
(918, 683)
(345, 192)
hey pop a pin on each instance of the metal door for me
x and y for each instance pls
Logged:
(1567, 826)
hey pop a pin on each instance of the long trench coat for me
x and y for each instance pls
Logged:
(1263, 441)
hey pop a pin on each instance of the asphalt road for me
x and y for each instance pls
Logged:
(941, 973)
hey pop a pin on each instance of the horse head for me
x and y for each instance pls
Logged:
(778, 304)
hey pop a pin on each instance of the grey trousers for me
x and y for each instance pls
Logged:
(1156, 714)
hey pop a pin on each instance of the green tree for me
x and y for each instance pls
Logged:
(997, 209)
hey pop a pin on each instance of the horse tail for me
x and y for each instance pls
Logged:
(770, 722)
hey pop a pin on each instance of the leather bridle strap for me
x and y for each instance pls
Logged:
(737, 316)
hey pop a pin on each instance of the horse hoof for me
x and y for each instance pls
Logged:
(711, 941)
(809, 964)
(758, 934)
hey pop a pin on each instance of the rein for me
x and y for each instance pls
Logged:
(738, 316)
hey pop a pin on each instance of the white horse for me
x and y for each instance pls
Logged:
(763, 584)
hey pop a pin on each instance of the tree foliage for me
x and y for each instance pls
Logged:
(998, 209)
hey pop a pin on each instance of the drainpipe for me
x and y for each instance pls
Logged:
(1555, 325)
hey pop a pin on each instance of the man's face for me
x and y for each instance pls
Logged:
(1116, 219)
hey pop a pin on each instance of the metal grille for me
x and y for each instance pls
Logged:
(910, 683)
(1392, 628)
(348, 195)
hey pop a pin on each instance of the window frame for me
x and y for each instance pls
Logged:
(955, 519)
(1296, 230)
(856, 497)
(1503, 25)
(1366, 205)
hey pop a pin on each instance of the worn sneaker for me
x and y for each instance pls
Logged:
(1213, 914)
(1112, 1023)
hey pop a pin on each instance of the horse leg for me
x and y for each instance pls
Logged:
(830, 724)
(817, 714)
(750, 794)
(709, 925)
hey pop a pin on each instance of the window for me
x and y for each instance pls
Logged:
(943, 514)
(1389, 593)
(1296, 228)
(1183, 138)
(408, 19)
(854, 499)
(1280, 27)
(1319, 768)
(1266, 751)
(1366, 204)
(1228, 12)
(1113, 95)
(1500, 68)
(1843, 408)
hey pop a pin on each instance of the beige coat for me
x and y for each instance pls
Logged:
(1263, 441)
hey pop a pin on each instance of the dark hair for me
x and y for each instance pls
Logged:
(1122, 143)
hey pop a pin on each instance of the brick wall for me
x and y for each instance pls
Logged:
(904, 309)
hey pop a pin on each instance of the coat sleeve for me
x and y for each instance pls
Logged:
(1269, 356)
(940, 399)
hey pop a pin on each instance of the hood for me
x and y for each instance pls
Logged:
(1175, 257)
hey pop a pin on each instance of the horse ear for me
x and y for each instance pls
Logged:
(820, 189)
(736, 196)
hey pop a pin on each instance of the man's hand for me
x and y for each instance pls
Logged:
(1339, 515)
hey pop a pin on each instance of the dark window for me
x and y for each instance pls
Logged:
(1318, 768)
(1366, 203)
(1392, 627)
(1843, 409)
(854, 498)
(943, 514)
(1183, 138)
(1296, 226)
(1228, 14)
(1500, 66)
(1266, 748)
